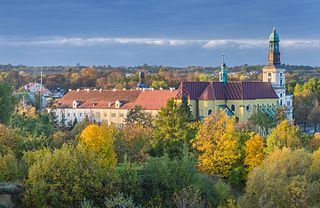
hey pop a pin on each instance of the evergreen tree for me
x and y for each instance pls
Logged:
(174, 128)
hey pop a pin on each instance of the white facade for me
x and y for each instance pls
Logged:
(108, 116)
(277, 78)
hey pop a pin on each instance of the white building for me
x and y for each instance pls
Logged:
(109, 106)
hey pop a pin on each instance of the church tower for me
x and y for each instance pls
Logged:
(223, 74)
(275, 74)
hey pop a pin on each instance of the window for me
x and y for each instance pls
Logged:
(281, 95)
(113, 115)
(280, 102)
(269, 74)
(80, 114)
(121, 115)
(68, 114)
(74, 114)
(233, 107)
(281, 74)
(281, 82)
(248, 108)
(209, 112)
(288, 103)
(269, 79)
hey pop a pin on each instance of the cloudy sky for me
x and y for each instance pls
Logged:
(167, 32)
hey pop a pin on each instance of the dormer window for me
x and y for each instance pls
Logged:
(118, 104)
(75, 104)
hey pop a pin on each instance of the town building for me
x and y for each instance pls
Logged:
(109, 106)
(242, 99)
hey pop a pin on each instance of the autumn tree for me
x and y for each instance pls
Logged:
(254, 152)
(284, 135)
(286, 178)
(217, 143)
(65, 177)
(100, 140)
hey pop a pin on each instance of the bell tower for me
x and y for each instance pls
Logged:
(275, 74)
(274, 51)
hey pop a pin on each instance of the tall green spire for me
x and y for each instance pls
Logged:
(223, 75)
(274, 49)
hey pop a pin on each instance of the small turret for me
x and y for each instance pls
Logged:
(141, 83)
(223, 75)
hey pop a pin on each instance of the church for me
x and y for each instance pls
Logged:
(242, 99)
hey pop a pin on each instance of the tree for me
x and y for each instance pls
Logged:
(137, 116)
(254, 152)
(286, 178)
(263, 121)
(9, 140)
(284, 135)
(162, 176)
(217, 143)
(173, 128)
(65, 177)
(10, 168)
(134, 143)
(7, 102)
(314, 116)
(100, 140)
(38, 125)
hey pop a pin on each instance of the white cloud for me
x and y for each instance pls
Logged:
(209, 43)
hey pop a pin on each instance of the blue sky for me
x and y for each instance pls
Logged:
(167, 32)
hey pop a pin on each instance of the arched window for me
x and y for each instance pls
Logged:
(248, 108)
(209, 112)
(233, 107)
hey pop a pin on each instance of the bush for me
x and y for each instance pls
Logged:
(162, 177)
(10, 168)
(66, 176)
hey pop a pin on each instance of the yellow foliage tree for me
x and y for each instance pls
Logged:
(284, 135)
(100, 139)
(217, 142)
(254, 153)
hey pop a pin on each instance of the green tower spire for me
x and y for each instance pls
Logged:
(274, 50)
(223, 75)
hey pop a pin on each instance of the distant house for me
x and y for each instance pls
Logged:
(109, 106)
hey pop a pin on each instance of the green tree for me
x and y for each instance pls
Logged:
(137, 116)
(174, 129)
(263, 122)
(162, 176)
(7, 102)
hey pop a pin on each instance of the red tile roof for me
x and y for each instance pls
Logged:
(230, 91)
(154, 100)
(148, 100)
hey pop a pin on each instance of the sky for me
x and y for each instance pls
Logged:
(157, 32)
